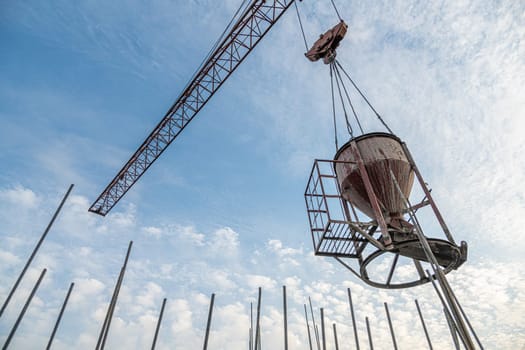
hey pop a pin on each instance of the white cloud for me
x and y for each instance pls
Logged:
(85, 289)
(220, 280)
(150, 295)
(276, 246)
(448, 77)
(20, 196)
(293, 282)
(225, 240)
(189, 234)
(183, 315)
(255, 281)
(153, 231)
(8, 258)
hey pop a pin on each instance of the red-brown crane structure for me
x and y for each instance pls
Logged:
(254, 21)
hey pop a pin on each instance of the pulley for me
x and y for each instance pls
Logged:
(325, 46)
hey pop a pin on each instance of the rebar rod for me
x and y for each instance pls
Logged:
(257, 330)
(390, 326)
(446, 289)
(104, 324)
(111, 309)
(308, 327)
(208, 324)
(431, 258)
(60, 316)
(445, 306)
(452, 328)
(370, 342)
(316, 330)
(353, 319)
(423, 324)
(322, 329)
(259, 343)
(109, 314)
(468, 322)
(35, 251)
(24, 309)
(285, 319)
(251, 328)
(158, 325)
(335, 338)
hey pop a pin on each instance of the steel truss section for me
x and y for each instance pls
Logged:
(245, 34)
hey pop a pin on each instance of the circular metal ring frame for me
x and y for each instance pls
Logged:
(451, 265)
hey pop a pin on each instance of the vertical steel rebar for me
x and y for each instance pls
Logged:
(438, 272)
(468, 322)
(369, 334)
(208, 324)
(109, 314)
(111, 310)
(308, 327)
(452, 328)
(60, 316)
(257, 330)
(353, 319)
(390, 326)
(259, 343)
(158, 324)
(445, 307)
(251, 327)
(335, 338)
(316, 330)
(446, 289)
(423, 324)
(35, 251)
(285, 319)
(322, 329)
(24, 309)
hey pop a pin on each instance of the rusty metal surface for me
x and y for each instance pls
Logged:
(381, 153)
(333, 232)
(325, 46)
(346, 228)
(372, 197)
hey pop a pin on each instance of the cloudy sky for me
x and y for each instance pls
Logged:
(222, 211)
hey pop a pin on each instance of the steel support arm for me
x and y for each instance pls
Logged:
(253, 24)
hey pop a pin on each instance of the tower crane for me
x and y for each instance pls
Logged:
(253, 22)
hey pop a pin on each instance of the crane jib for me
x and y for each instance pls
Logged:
(245, 34)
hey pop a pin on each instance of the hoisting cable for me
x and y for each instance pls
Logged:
(349, 100)
(364, 97)
(245, 4)
(335, 8)
(300, 24)
(348, 125)
(333, 107)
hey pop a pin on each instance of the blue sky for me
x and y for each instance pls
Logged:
(222, 211)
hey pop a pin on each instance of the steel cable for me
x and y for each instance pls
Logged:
(336, 11)
(364, 97)
(301, 25)
(349, 101)
(333, 106)
(348, 125)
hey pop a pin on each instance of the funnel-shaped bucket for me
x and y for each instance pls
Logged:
(381, 154)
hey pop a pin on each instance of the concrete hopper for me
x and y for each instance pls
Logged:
(382, 154)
